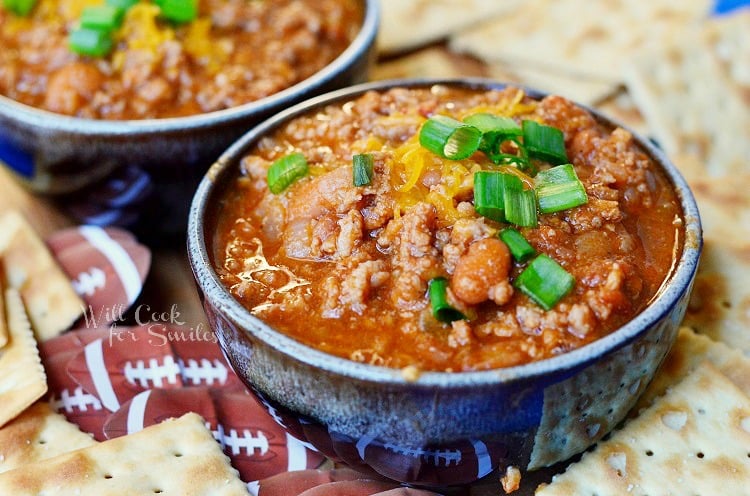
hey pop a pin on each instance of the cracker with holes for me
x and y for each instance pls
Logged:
(688, 352)
(580, 410)
(135, 359)
(583, 90)
(694, 440)
(257, 445)
(50, 300)
(22, 377)
(38, 434)
(689, 112)
(720, 302)
(175, 457)
(434, 62)
(3, 314)
(578, 37)
(408, 24)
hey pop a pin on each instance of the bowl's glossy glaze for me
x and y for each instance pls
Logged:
(445, 428)
(120, 172)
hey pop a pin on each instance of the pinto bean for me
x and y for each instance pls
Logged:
(485, 265)
(71, 86)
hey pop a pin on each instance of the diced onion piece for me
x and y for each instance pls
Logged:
(520, 207)
(102, 17)
(362, 168)
(441, 309)
(449, 138)
(92, 42)
(178, 10)
(545, 282)
(517, 244)
(19, 7)
(559, 189)
(544, 142)
(285, 171)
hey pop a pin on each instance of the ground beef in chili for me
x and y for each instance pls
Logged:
(235, 52)
(345, 269)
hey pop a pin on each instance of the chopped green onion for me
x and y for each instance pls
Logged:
(441, 309)
(449, 138)
(490, 191)
(544, 142)
(496, 130)
(559, 189)
(495, 124)
(545, 282)
(520, 207)
(286, 170)
(102, 17)
(123, 5)
(517, 244)
(362, 167)
(92, 42)
(178, 10)
(19, 7)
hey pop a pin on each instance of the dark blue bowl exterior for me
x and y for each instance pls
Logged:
(438, 436)
(444, 429)
(123, 172)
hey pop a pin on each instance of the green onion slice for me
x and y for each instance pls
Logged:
(103, 17)
(178, 10)
(362, 167)
(490, 190)
(544, 142)
(559, 189)
(496, 130)
(494, 124)
(123, 5)
(19, 7)
(92, 42)
(520, 207)
(545, 282)
(449, 138)
(285, 171)
(517, 244)
(441, 309)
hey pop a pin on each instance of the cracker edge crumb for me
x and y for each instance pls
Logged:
(511, 481)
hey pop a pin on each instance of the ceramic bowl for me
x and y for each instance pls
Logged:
(445, 428)
(123, 172)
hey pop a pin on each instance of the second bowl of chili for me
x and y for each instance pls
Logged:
(119, 108)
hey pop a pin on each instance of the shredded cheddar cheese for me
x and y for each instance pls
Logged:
(15, 25)
(414, 158)
(411, 163)
(141, 30)
(200, 44)
(509, 106)
(69, 10)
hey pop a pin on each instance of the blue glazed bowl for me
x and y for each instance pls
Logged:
(444, 428)
(123, 172)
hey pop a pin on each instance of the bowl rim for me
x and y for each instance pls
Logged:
(215, 294)
(51, 121)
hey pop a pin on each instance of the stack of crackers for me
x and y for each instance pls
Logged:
(679, 73)
(40, 451)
